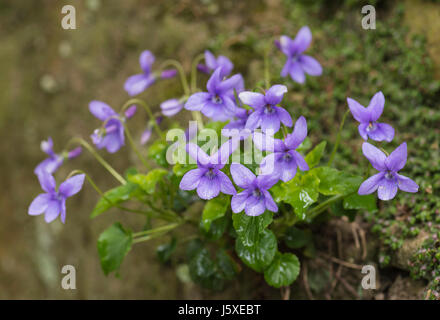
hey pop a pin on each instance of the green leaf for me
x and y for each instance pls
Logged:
(301, 192)
(214, 209)
(193, 247)
(165, 250)
(305, 145)
(277, 192)
(204, 271)
(207, 272)
(249, 228)
(130, 171)
(227, 266)
(157, 151)
(358, 202)
(335, 182)
(201, 265)
(217, 228)
(260, 253)
(113, 245)
(180, 169)
(314, 156)
(283, 270)
(148, 181)
(296, 238)
(114, 197)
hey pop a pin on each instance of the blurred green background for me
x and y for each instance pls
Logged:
(48, 75)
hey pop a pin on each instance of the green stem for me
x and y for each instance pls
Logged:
(158, 229)
(153, 233)
(179, 68)
(266, 68)
(104, 163)
(147, 109)
(285, 132)
(367, 174)
(195, 62)
(197, 116)
(168, 215)
(148, 237)
(314, 212)
(102, 194)
(384, 151)
(338, 138)
(133, 146)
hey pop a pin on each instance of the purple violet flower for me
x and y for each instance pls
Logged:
(297, 63)
(284, 160)
(53, 202)
(213, 63)
(111, 136)
(146, 135)
(130, 112)
(74, 153)
(266, 114)
(171, 107)
(237, 126)
(168, 73)
(239, 123)
(219, 102)
(255, 198)
(387, 181)
(207, 178)
(367, 117)
(140, 82)
(54, 161)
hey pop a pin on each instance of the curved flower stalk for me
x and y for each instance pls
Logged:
(218, 103)
(387, 181)
(207, 178)
(284, 160)
(267, 114)
(255, 198)
(53, 202)
(138, 83)
(298, 64)
(54, 161)
(367, 118)
(212, 63)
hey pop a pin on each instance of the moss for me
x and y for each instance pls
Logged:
(359, 63)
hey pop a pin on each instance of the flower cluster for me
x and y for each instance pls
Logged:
(53, 203)
(387, 181)
(55, 160)
(282, 180)
(218, 103)
(110, 136)
(256, 115)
